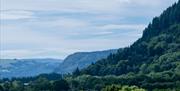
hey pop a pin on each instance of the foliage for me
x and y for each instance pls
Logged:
(60, 85)
(122, 88)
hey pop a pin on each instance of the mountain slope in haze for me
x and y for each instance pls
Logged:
(27, 67)
(81, 60)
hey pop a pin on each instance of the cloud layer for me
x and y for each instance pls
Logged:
(56, 28)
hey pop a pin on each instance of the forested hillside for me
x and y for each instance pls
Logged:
(157, 51)
(153, 61)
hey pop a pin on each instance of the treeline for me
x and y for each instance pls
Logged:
(140, 82)
(39, 84)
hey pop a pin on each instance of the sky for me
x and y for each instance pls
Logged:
(57, 28)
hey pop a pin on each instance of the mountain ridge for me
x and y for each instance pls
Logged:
(81, 60)
(27, 67)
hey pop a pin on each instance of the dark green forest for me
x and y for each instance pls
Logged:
(152, 63)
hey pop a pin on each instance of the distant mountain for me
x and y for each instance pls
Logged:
(27, 67)
(81, 60)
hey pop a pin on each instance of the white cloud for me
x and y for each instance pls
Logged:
(26, 53)
(24, 36)
(90, 6)
(67, 47)
(77, 6)
(123, 26)
(15, 14)
(16, 53)
(102, 33)
(62, 22)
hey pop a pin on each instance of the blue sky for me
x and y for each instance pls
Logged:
(57, 28)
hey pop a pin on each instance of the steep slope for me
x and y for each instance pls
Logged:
(157, 51)
(81, 60)
(26, 67)
(152, 62)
